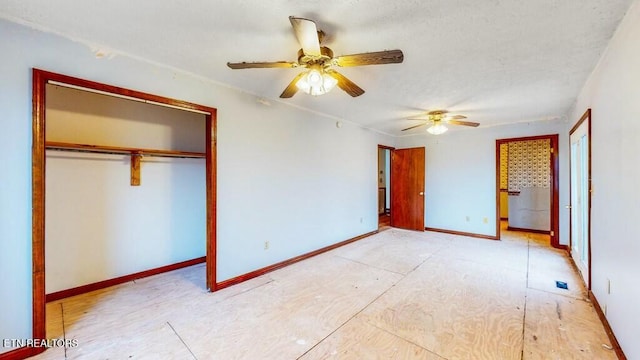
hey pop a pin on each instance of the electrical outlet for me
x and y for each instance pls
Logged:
(361, 220)
(485, 220)
(467, 218)
(266, 245)
(608, 286)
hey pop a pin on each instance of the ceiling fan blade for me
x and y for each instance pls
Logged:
(345, 84)
(292, 89)
(464, 123)
(254, 65)
(413, 127)
(372, 58)
(456, 117)
(307, 35)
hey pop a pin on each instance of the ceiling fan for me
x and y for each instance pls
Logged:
(438, 118)
(319, 77)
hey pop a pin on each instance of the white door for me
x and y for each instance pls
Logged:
(580, 198)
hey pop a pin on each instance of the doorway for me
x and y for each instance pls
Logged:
(580, 196)
(527, 186)
(40, 80)
(400, 178)
(384, 186)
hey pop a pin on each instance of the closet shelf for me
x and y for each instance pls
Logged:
(135, 153)
(53, 145)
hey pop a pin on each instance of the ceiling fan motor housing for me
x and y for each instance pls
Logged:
(326, 55)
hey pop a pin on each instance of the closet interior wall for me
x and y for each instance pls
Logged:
(99, 226)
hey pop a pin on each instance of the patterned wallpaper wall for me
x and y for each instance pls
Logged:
(504, 166)
(529, 164)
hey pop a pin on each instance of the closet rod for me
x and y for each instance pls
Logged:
(115, 150)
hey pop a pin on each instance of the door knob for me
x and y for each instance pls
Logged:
(421, 193)
(568, 206)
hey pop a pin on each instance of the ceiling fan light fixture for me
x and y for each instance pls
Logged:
(314, 78)
(316, 82)
(437, 129)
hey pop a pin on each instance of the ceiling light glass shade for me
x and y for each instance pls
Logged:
(316, 82)
(437, 129)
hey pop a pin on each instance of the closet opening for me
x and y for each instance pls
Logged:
(129, 191)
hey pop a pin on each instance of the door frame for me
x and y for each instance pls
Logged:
(391, 149)
(39, 80)
(586, 116)
(555, 186)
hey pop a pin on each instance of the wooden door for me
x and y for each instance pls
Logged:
(407, 188)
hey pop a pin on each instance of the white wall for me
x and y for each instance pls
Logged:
(530, 209)
(99, 227)
(613, 93)
(284, 174)
(460, 175)
(77, 116)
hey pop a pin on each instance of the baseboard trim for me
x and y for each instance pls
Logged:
(462, 233)
(596, 305)
(607, 328)
(21, 353)
(122, 279)
(276, 266)
(546, 232)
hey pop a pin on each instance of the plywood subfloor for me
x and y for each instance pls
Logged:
(395, 295)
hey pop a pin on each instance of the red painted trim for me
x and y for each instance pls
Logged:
(607, 327)
(276, 266)
(585, 116)
(603, 318)
(547, 232)
(462, 233)
(50, 76)
(555, 193)
(498, 188)
(37, 194)
(385, 147)
(391, 149)
(21, 353)
(211, 193)
(122, 279)
(527, 138)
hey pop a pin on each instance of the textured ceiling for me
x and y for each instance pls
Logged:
(494, 61)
